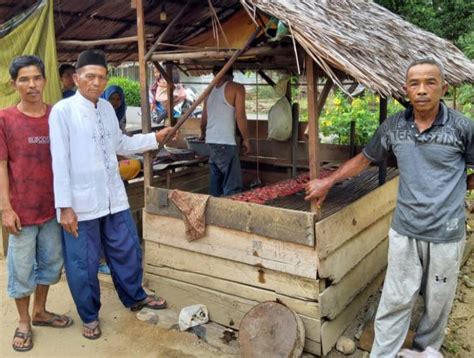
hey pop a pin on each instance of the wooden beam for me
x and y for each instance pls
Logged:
(146, 124)
(313, 123)
(194, 55)
(169, 92)
(295, 114)
(208, 90)
(102, 42)
(382, 117)
(324, 95)
(165, 32)
(266, 78)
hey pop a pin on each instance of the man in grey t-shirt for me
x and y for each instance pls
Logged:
(433, 145)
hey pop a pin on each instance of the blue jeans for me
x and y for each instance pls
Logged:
(226, 177)
(34, 258)
(118, 236)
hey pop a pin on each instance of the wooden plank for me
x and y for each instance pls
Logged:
(336, 297)
(233, 245)
(276, 223)
(160, 255)
(332, 330)
(223, 308)
(340, 262)
(354, 218)
(307, 308)
(312, 347)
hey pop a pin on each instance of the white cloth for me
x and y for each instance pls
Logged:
(85, 141)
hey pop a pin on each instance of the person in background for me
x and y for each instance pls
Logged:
(90, 197)
(115, 95)
(223, 108)
(433, 145)
(35, 257)
(67, 83)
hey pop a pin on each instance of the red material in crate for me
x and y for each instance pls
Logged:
(281, 189)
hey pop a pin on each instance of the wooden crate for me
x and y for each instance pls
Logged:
(325, 271)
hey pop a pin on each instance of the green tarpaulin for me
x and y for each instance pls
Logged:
(29, 33)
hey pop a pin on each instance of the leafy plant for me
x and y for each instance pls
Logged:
(340, 111)
(130, 88)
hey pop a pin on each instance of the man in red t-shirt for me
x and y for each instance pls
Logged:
(27, 201)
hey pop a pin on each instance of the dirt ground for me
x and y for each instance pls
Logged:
(123, 335)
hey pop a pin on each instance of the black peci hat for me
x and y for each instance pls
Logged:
(91, 57)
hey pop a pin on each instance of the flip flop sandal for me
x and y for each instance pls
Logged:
(146, 304)
(25, 337)
(95, 327)
(55, 318)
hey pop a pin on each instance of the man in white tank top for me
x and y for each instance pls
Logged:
(223, 108)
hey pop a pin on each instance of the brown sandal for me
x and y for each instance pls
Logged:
(95, 328)
(146, 303)
(50, 322)
(25, 337)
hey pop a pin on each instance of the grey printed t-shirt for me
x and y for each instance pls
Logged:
(432, 165)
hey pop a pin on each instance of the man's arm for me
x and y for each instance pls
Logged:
(318, 189)
(9, 217)
(204, 120)
(241, 117)
(59, 137)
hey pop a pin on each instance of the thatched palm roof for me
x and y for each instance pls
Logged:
(365, 40)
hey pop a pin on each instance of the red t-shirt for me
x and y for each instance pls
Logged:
(24, 143)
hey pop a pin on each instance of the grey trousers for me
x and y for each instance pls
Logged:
(414, 266)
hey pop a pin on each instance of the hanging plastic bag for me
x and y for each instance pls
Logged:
(280, 120)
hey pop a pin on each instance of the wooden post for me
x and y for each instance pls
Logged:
(146, 123)
(295, 115)
(313, 123)
(382, 117)
(169, 92)
(352, 149)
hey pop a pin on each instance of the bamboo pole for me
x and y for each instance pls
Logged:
(102, 42)
(163, 72)
(146, 124)
(313, 124)
(165, 32)
(209, 88)
(195, 55)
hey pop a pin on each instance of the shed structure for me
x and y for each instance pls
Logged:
(324, 265)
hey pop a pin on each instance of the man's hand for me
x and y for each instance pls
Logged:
(68, 221)
(11, 221)
(161, 135)
(318, 189)
(246, 147)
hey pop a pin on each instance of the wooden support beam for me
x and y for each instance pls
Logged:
(194, 55)
(165, 32)
(209, 88)
(313, 123)
(382, 117)
(266, 78)
(295, 114)
(169, 92)
(146, 123)
(324, 95)
(102, 42)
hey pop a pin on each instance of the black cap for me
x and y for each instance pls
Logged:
(91, 57)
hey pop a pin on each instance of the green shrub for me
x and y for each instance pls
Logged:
(465, 98)
(130, 88)
(340, 111)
